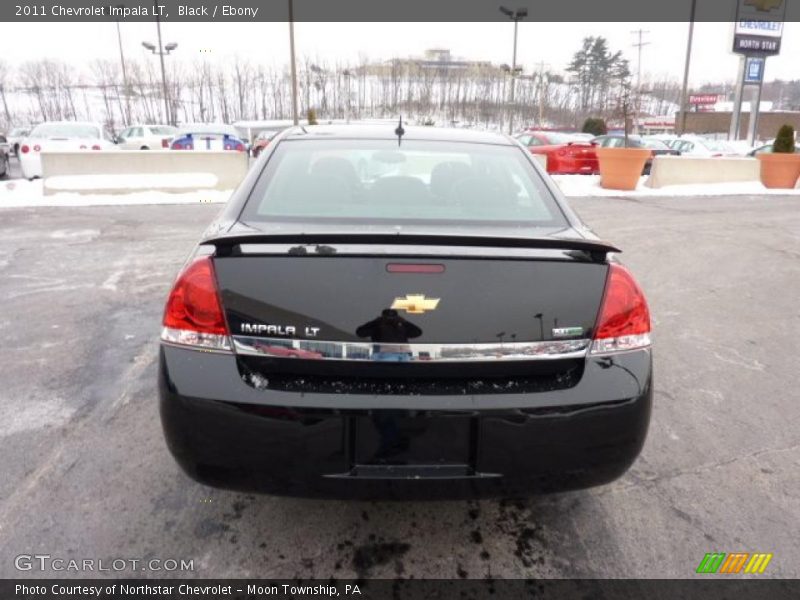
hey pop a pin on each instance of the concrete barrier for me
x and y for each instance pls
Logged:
(684, 170)
(123, 171)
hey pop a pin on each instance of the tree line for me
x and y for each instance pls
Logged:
(426, 91)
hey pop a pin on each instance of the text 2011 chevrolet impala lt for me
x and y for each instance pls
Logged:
(385, 312)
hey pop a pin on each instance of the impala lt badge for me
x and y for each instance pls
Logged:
(415, 304)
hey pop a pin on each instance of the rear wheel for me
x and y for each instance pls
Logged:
(144, 148)
(4, 164)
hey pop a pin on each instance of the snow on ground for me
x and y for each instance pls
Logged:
(20, 192)
(137, 181)
(589, 185)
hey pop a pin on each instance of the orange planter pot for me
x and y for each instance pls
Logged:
(620, 168)
(779, 170)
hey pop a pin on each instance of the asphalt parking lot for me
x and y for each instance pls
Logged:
(86, 473)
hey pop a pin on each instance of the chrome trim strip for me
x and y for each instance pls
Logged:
(415, 353)
(404, 250)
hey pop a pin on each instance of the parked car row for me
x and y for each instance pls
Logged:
(60, 136)
(574, 154)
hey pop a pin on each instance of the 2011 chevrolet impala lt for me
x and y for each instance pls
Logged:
(389, 312)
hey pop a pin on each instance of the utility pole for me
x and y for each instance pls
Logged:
(685, 88)
(292, 62)
(638, 105)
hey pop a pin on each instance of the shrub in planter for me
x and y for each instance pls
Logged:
(594, 126)
(780, 169)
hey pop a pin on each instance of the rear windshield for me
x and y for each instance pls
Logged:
(419, 181)
(65, 130)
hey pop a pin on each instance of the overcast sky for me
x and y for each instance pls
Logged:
(553, 43)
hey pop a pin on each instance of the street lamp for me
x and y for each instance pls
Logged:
(516, 16)
(127, 116)
(162, 51)
(293, 63)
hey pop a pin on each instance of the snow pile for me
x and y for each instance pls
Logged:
(20, 192)
(589, 185)
(138, 181)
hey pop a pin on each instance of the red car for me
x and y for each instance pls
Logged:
(567, 154)
(262, 141)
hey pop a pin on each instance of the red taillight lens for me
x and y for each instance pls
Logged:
(624, 322)
(165, 143)
(193, 314)
(177, 146)
(24, 149)
(96, 147)
(562, 152)
(37, 148)
(82, 146)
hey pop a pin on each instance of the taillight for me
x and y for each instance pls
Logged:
(37, 148)
(165, 143)
(193, 314)
(82, 146)
(177, 146)
(24, 148)
(96, 147)
(624, 322)
(562, 152)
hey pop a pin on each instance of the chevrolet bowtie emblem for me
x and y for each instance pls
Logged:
(415, 304)
(763, 5)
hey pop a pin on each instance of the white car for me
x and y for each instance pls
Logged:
(15, 137)
(147, 137)
(60, 136)
(699, 146)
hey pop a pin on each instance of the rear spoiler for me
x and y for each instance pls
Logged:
(226, 244)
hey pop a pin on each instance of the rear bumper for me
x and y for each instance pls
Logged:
(225, 433)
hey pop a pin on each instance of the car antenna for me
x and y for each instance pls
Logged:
(399, 131)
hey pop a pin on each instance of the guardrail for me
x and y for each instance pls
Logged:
(124, 171)
(684, 170)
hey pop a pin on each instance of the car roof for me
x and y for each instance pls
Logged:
(387, 132)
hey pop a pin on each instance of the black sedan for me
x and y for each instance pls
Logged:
(441, 325)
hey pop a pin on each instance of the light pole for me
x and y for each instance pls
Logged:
(127, 116)
(685, 87)
(516, 16)
(347, 74)
(162, 51)
(292, 62)
(637, 108)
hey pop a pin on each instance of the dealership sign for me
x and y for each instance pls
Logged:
(703, 99)
(759, 27)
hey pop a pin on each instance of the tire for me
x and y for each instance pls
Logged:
(16, 150)
(144, 148)
(4, 173)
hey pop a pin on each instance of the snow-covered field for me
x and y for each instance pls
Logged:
(589, 185)
(20, 192)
